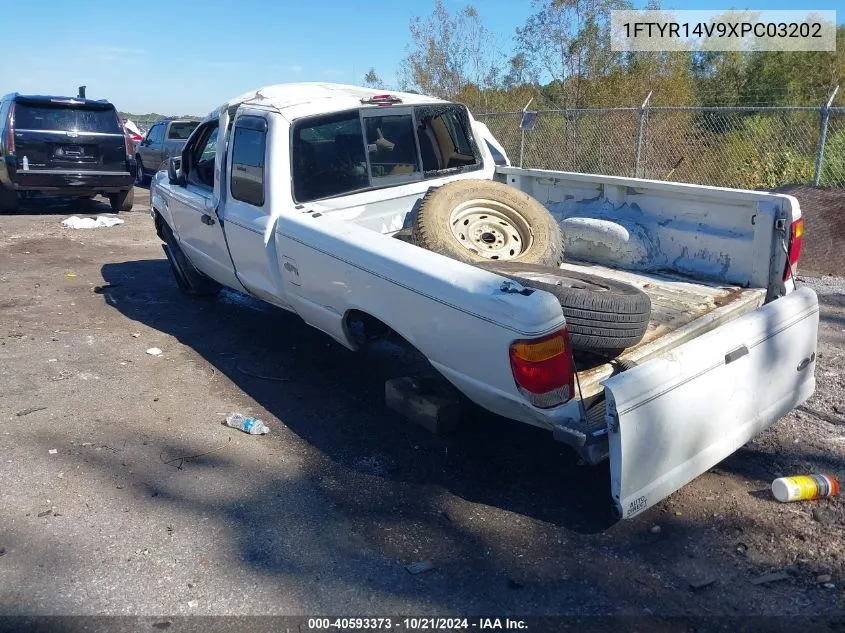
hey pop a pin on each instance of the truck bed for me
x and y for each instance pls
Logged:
(681, 309)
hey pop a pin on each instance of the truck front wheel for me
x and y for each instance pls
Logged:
(190, 280)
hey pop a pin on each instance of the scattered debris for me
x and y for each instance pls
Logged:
(75, 222)
(2, 551)
(154, 351)
(654, 529)
(829, 585)
(823, 578)
(804, 487)
(20, 414)
(45, 513)
(742, 548)
(135, 335)
(253, 426)
(161, 625)
(772, 577)
(182, 458)
(420, 567)
(262, 376)
(53, 451)
(70, 275)
(702, 583)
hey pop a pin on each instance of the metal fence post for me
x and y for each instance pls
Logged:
(640, 131)
(825, 118)
(521, 145)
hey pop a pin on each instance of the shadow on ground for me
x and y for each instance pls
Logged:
(334, 399)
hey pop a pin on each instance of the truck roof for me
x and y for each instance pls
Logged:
(321, 97)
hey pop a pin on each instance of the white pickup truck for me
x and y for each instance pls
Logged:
(305, 195)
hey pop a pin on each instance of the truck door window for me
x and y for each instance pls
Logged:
(181, 130)
(202, 158)
(328, 157)
(155, 134)
(249, 142)
(444, 141)
(391, 147)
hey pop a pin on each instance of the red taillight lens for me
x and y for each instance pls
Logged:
(796, 241)
(542, 369)
(10, 133)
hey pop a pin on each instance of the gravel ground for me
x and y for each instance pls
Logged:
(122, 493)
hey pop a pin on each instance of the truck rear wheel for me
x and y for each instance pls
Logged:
(8, 200)
(481, 220)
(122, 201)
(190, 280)
(602, 315)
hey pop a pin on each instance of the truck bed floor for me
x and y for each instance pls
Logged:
(681, 309)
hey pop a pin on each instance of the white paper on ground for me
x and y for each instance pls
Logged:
(75, 222)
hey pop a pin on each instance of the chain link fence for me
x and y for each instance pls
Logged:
(743, 147)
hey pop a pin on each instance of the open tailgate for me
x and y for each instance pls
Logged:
(673, 418)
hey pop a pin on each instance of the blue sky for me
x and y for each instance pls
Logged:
(174, 58)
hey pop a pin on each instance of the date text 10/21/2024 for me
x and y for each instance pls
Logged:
(415, 624)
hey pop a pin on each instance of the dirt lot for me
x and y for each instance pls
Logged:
(122, 493)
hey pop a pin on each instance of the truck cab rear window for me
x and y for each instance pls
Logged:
(349, 151)
(181, 130)
(64, 118)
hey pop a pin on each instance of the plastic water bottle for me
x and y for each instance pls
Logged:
(253, 426)
(26, 163)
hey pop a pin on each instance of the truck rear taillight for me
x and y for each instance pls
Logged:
(796, 240)
(10, 132)
(543, 370)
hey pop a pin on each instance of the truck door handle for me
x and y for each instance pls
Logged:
(207, 219)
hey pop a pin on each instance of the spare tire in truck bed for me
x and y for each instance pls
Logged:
(602, 315)
(481, 220)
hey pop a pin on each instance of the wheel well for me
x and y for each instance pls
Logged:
(361, 328)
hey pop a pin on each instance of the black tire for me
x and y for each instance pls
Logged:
(190, 280)
(141, 179)
(497, 229)
(9, 201)
(602, 315)
(122, 201)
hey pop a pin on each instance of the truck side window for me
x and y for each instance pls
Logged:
(156, 134)
(249, 142)
(328, 156)
(391, 145)
(202, 158)
(444, 142)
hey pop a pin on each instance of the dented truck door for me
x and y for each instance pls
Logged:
(673, 418)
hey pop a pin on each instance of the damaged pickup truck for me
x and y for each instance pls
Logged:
(656, 324)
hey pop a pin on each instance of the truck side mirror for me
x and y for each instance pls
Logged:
(174, 171)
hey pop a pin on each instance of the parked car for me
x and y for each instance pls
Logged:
(366, 213)
(63, 146)
(164, 139)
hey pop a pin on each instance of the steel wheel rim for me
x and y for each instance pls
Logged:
(491, 229)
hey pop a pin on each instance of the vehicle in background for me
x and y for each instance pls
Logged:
(63, 146)
(164, 139)
(133, 131)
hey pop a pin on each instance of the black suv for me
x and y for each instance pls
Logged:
(63, 146)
